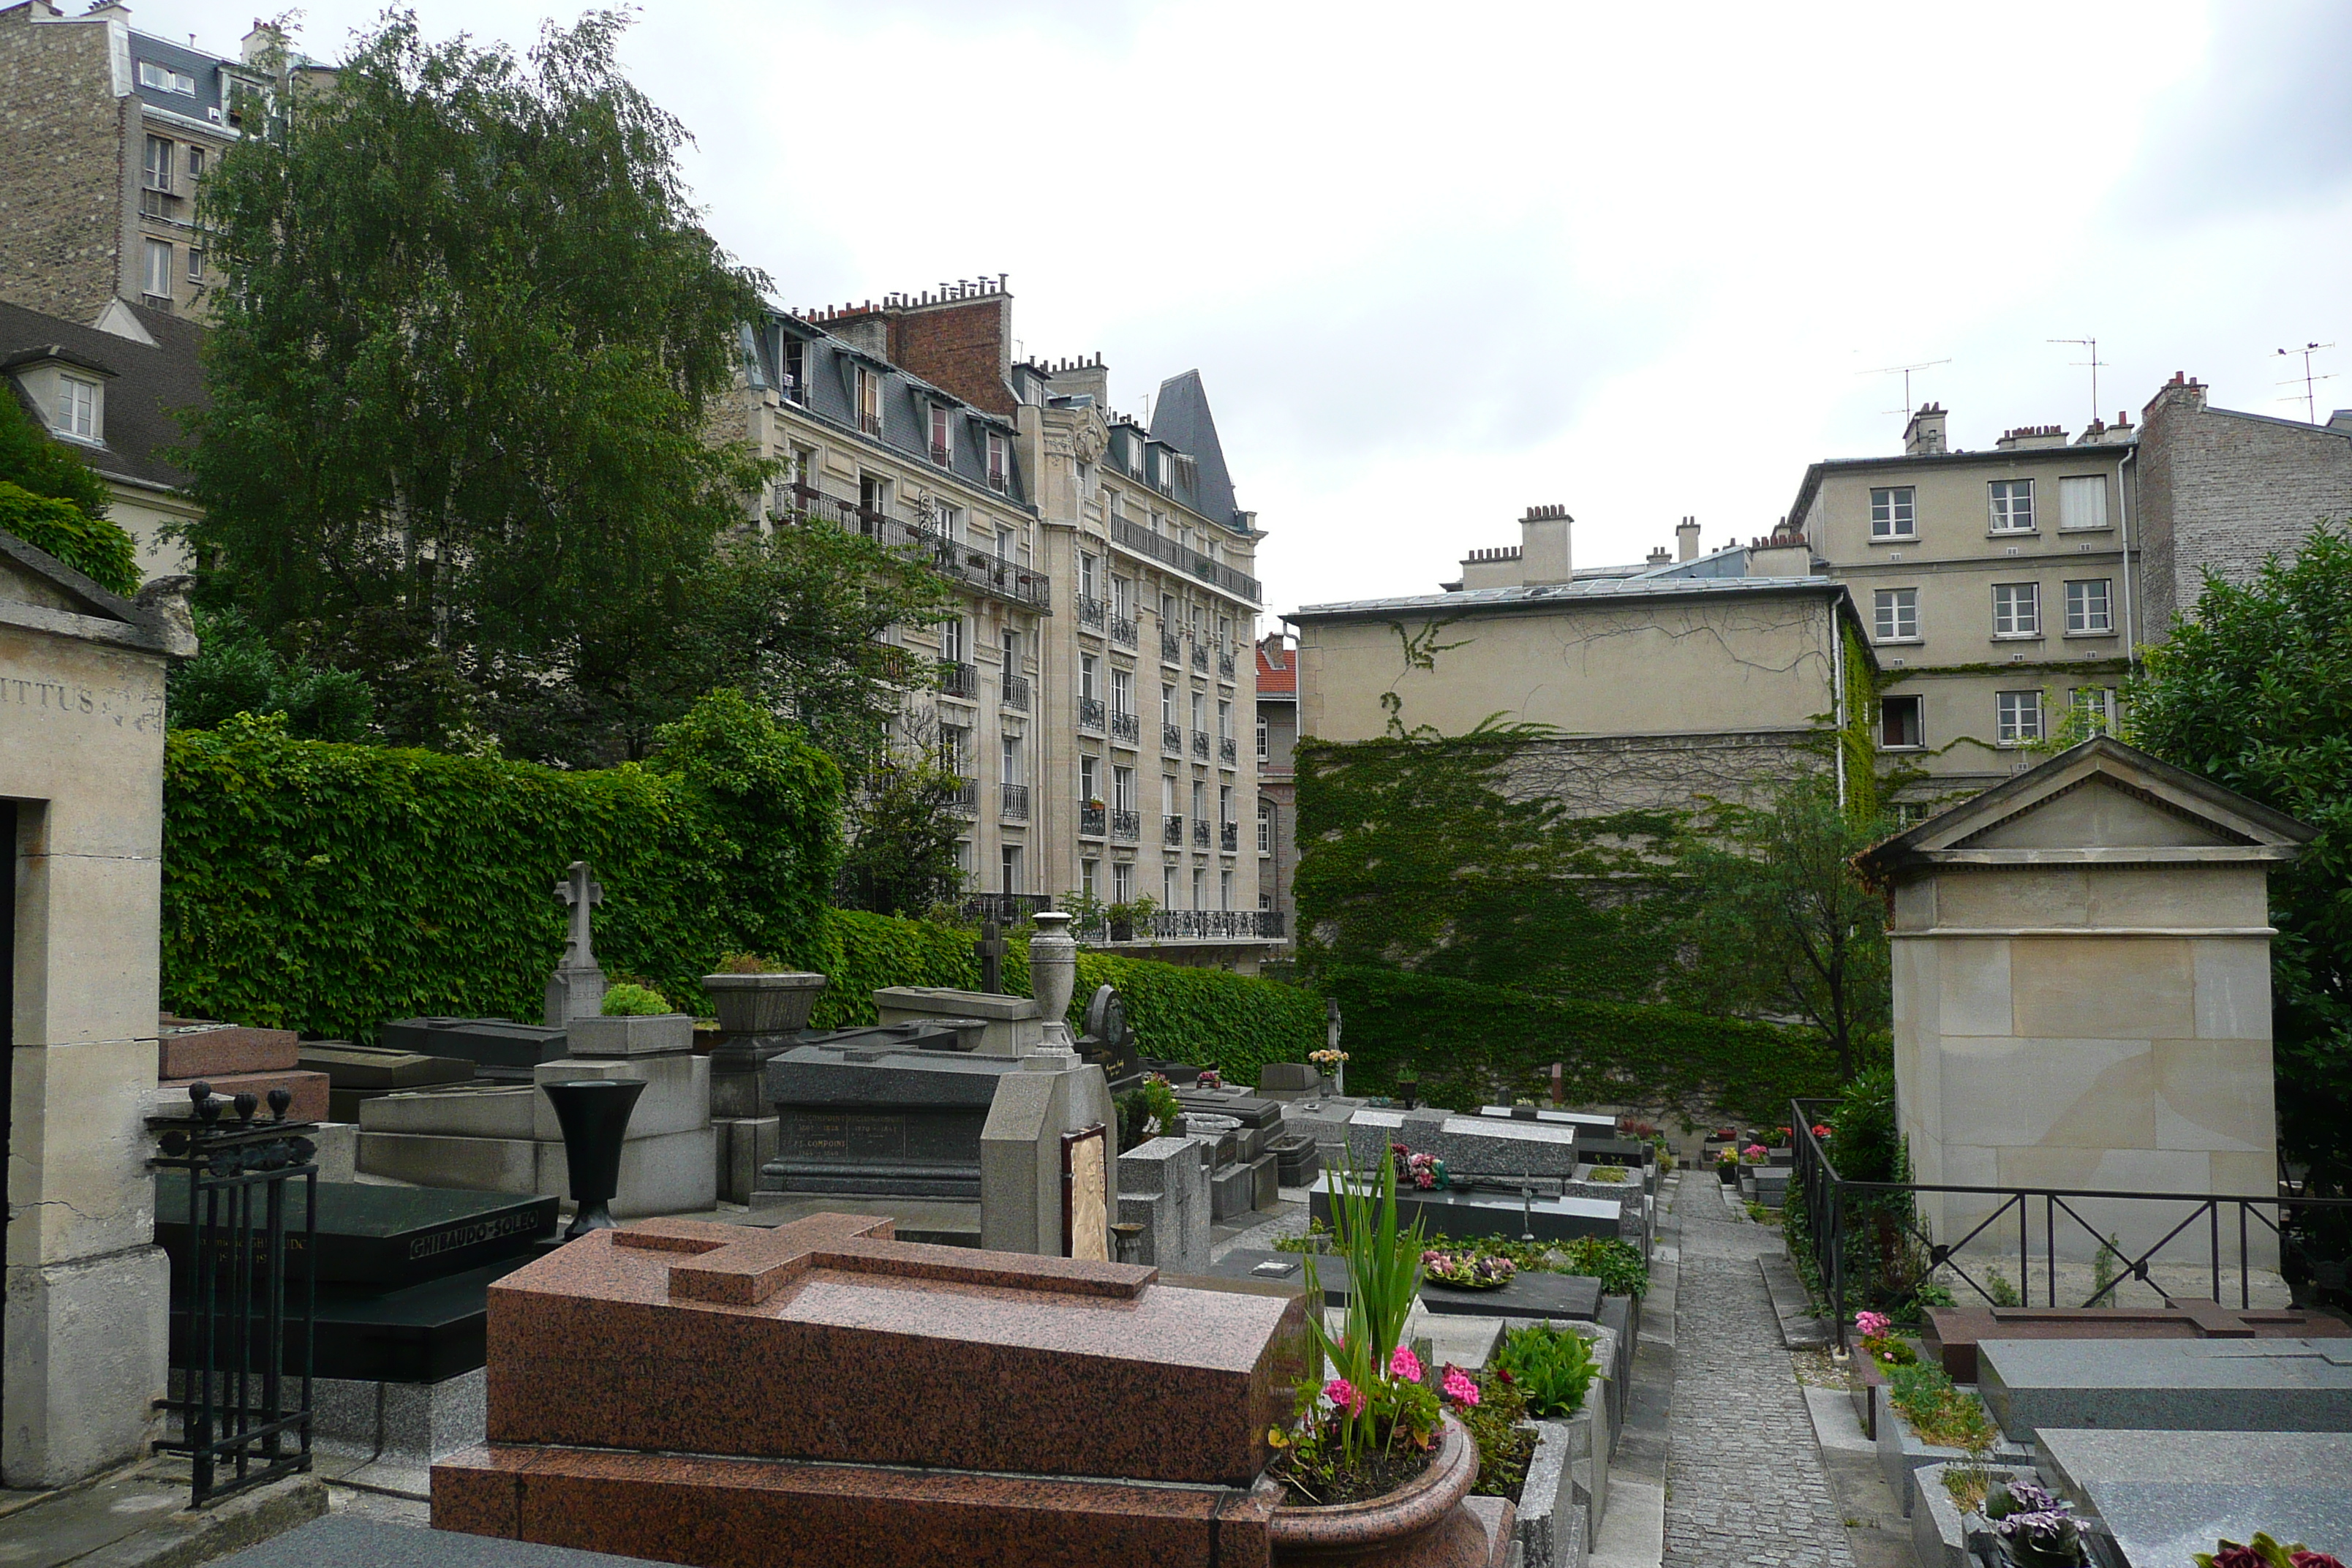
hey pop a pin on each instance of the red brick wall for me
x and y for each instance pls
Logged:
(964, 346)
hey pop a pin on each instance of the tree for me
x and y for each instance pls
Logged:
(463, 364)
(902, 838)
(235, 671)
(1782, 927)
(51, 500)
(2254, 691)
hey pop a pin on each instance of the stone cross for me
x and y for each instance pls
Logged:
(990, 950)
(580, 893)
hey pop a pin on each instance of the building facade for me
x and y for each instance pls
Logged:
(1092, 689)
(1277, 788)
(1999, 588)
(104, 132)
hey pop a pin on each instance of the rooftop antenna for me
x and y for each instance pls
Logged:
(1904, 371)
(2310, 382)
(2095, 362)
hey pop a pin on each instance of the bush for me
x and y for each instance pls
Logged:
(629, 1000)
(98, 549)
(1551, 1367)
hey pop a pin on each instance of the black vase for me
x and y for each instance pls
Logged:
(594, 1113)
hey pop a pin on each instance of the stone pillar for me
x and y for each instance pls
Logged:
(2082, 1000)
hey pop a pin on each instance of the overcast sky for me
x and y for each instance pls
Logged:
(1435, 266)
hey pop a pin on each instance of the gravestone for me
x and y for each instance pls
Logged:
(1953, 1334)
(1288, 1081)
(502, 1050)
(576, 989)
(1109, 1040)
(990, 951)
(1470, 1145)
(1048, 1167)
(2081, 989)
(1163, 1187)
(355, 1073)
(889, 1113)
(1447, 1211)
(2194, 1386)
(232, 1059)
(1011, 1025)
(2164, 1495)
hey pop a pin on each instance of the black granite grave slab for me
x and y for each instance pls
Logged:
(499, 1048)
(868, 1117)
(421, 1334)
(381, 1237)
(340, 1541)
(1613, 1151)
(1563, 1297)
(1475, 1213)
(357, 1073)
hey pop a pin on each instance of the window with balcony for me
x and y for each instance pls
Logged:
(2017, 609)
(1893, 514)
(1224, 721)
(1089, 675)
(999, 462)
(2090, 608)
(1088, 872)
(795, 363)
(1122, 882)
(2017, 717)
(951, 639)
(1899, 725)
(1224, 890)
(942, 434)
(1896, 614)
(2083, 501)
(2013, 506)
(1090, 779)
(869, 401)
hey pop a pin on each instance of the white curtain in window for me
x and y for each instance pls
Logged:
(2083, 501)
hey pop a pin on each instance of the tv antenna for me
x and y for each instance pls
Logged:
(2095, 362)
(1906, 372)
(2310, 382)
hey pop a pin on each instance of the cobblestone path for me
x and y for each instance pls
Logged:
(1744, 1477)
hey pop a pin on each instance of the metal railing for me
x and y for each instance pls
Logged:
(976, 569)
(871, 425)
(1224, 665)
(958, 679)
(1201, 657)
(1016, 692)
(1090, 714)
(1092, 612)
(1013, 802)
(1870, 1235)
(1171, 648)
(998, 479)
(1229, 836)
(1168, 552)
(939, 453)
(1126, 827)
(1172, 830)
(1124, 727)
(1226, 752)
(1201, 744)
(1200, 833)
(1122, 631)
(1093, 820)
(1012, 909)
(247, 1287)
(967, 799)
(1172, 739)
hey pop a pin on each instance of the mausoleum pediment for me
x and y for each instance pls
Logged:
(2099, 810)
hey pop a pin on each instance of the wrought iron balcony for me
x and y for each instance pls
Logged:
(1124, 727)
(1126, 827)
(1171, 648)
(1225, 752)
(1172, 830)
(1229, 836)
(1092, 612)
(1224, 663)
(1010, 908)
(967, 799)
(939, 453)
(1172, 739)
(1014, 802)
(974, 569)
(1122, 631)
(1090, 714)
(1201, 744)
(998, 479)
(871, 423)
(1142, 541)
(1209, 925)
(957, 679)
(1200, 833)
(1092, 820)
(1201, 657)
(1016, 692)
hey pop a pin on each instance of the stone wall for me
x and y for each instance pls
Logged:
(64, 200)
(2222, 490)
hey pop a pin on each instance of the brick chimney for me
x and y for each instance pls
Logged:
(1924, 437)
(2026, 436)
(2184, 394)
(1687, 540)
(960, 338)
(1543, 544)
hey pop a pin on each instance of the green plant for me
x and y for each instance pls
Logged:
(2000, 1290)
(1937, 1411)
(37, 462)
(746, 963)
(2103, 1269)
(1608, 1174)
(628, 1000)
(1552, 1367)
(1147, 1111)
(1618, 1265)
(237, 671)
(2264, 1552)
(97, 548)
(1498, 1424)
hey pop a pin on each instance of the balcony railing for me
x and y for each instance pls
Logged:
(1199, 925)
(1014, 802)
(967, 799)
(871, 423)
(1090, 714)
(1200, 659)
(1010, 908)
(1125, 726)
(1092, 820)
(1201, 744)
(998, 479)
(975, 569)
(1016, 692)
(957, 679)
(1224, 663)
(1144, 542)
(1226, 752)
(1172, 739)
(1126, 827)
(1200, 833)
(939, 453)
(1122, 631)
(1092, 612)
(1171, 831)
(1229, 836)
(1171, 648)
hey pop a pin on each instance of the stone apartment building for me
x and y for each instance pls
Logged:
(1091, 689)
(1997, 584)
(1277, 789)
(104, 132)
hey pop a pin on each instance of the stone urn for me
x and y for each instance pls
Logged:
(1422, 1524)
(1053, 974)
(763, 1003)
(595, 1115)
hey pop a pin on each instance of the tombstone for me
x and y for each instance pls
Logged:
(990, 951)
(502, 1050)
(81, 766)
(1474, 1212)
(2083, 999)
(576, 989)
(1288, 1081)
(1011, 1025)
(2165, 1495)
(1163, 1187)
(355, 1073)
(234, 1059)
(2187, 1386)
(1048, 1159)
(895, 1111)
(1953, 1334)
(1109, 1040)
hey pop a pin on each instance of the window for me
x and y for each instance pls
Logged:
(1167, 704)
(195, 265)
(1122, 882)
(955, 749)
(1088, 565)
(1168, 794)
(1122, 692)
(2017, 717)
(1225, 802)
(1167, 611)
(1200, 801)
(941, 448)
(159, 268)
(1089, 670)
(796, 373)
(869, 401)
(158, 168)
(1012, 646)
(2094, 708)
(1122, 597)
(1898, 723)
(1224, 890)
(2013, 506)
(997, 465)
(2083, 501)
(951, 639)
(1089, 779)
(196, 165)
(1009, 858)
(1261, 741)
(873, 492)
(163, 78)
(947, 519)
(1224, 721)
(77, 408)
(1266, 828)
(1009, 762)
(2089, 607)
(1005, 546)
(2017, 609)
(1897, 613)
(1200, 886)
(1200, 711)
(1166, 887)
(1087, 870)
(1122, 789)
(1892, 514)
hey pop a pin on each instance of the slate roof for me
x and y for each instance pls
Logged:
(1180, 417)
(148, 385)
(207, 104)
(1538, 596)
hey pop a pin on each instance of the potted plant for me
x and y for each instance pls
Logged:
(1330, 1064)
(755, 996)
(2262, 1552)
(2035, 1530)
(1375, 1467)
(1125, 916)
(1408, 1080)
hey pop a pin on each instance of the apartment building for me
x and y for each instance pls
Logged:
(1092, 689)
(1999, 587)
(104, 133)
(1277, 788)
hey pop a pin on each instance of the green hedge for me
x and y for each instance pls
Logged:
(1466, 1040)
(330, 887)
(865, 953)
(97, 548)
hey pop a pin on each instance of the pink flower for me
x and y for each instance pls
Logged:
(1343, 1395)
(1459, 1388)
(1873, 1324)
(1756, 1150)
(2315, 1560)
(1405, 1364)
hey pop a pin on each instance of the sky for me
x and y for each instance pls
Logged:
(1646, 262)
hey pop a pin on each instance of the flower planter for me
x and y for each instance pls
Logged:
(1900, 1450)
(763, 1003)
(1423, 1524)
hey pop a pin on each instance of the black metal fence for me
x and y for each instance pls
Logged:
(1869, 1238)
(245, 1285)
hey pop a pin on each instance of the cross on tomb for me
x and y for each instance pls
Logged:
(727, 1268)
(579, 892)
(990, 951)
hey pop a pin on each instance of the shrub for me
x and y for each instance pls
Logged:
(629, 1000)
(1551, 1367)
(98, 549)
(1939, 1411)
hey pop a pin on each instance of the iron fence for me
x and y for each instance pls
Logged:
(1014, 802)
(1090, 714)
(1171, 829)
(1126, 827)
(1125, 726)
(1092, 820)
(1171, 648)
(1016, 693)
(1172, 739)
(1010, 908)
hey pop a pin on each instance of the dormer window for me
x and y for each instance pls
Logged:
(163, 78)
(942, 434)
(1166, 474)
(997, 474)
(78, 409)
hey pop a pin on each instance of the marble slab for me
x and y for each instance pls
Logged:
(343, 1541)
(1953, 1334)
(2165, 1494)
(2199, 1386)
(1450, 1212)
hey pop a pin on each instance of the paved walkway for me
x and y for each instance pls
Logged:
(1745, 1483)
